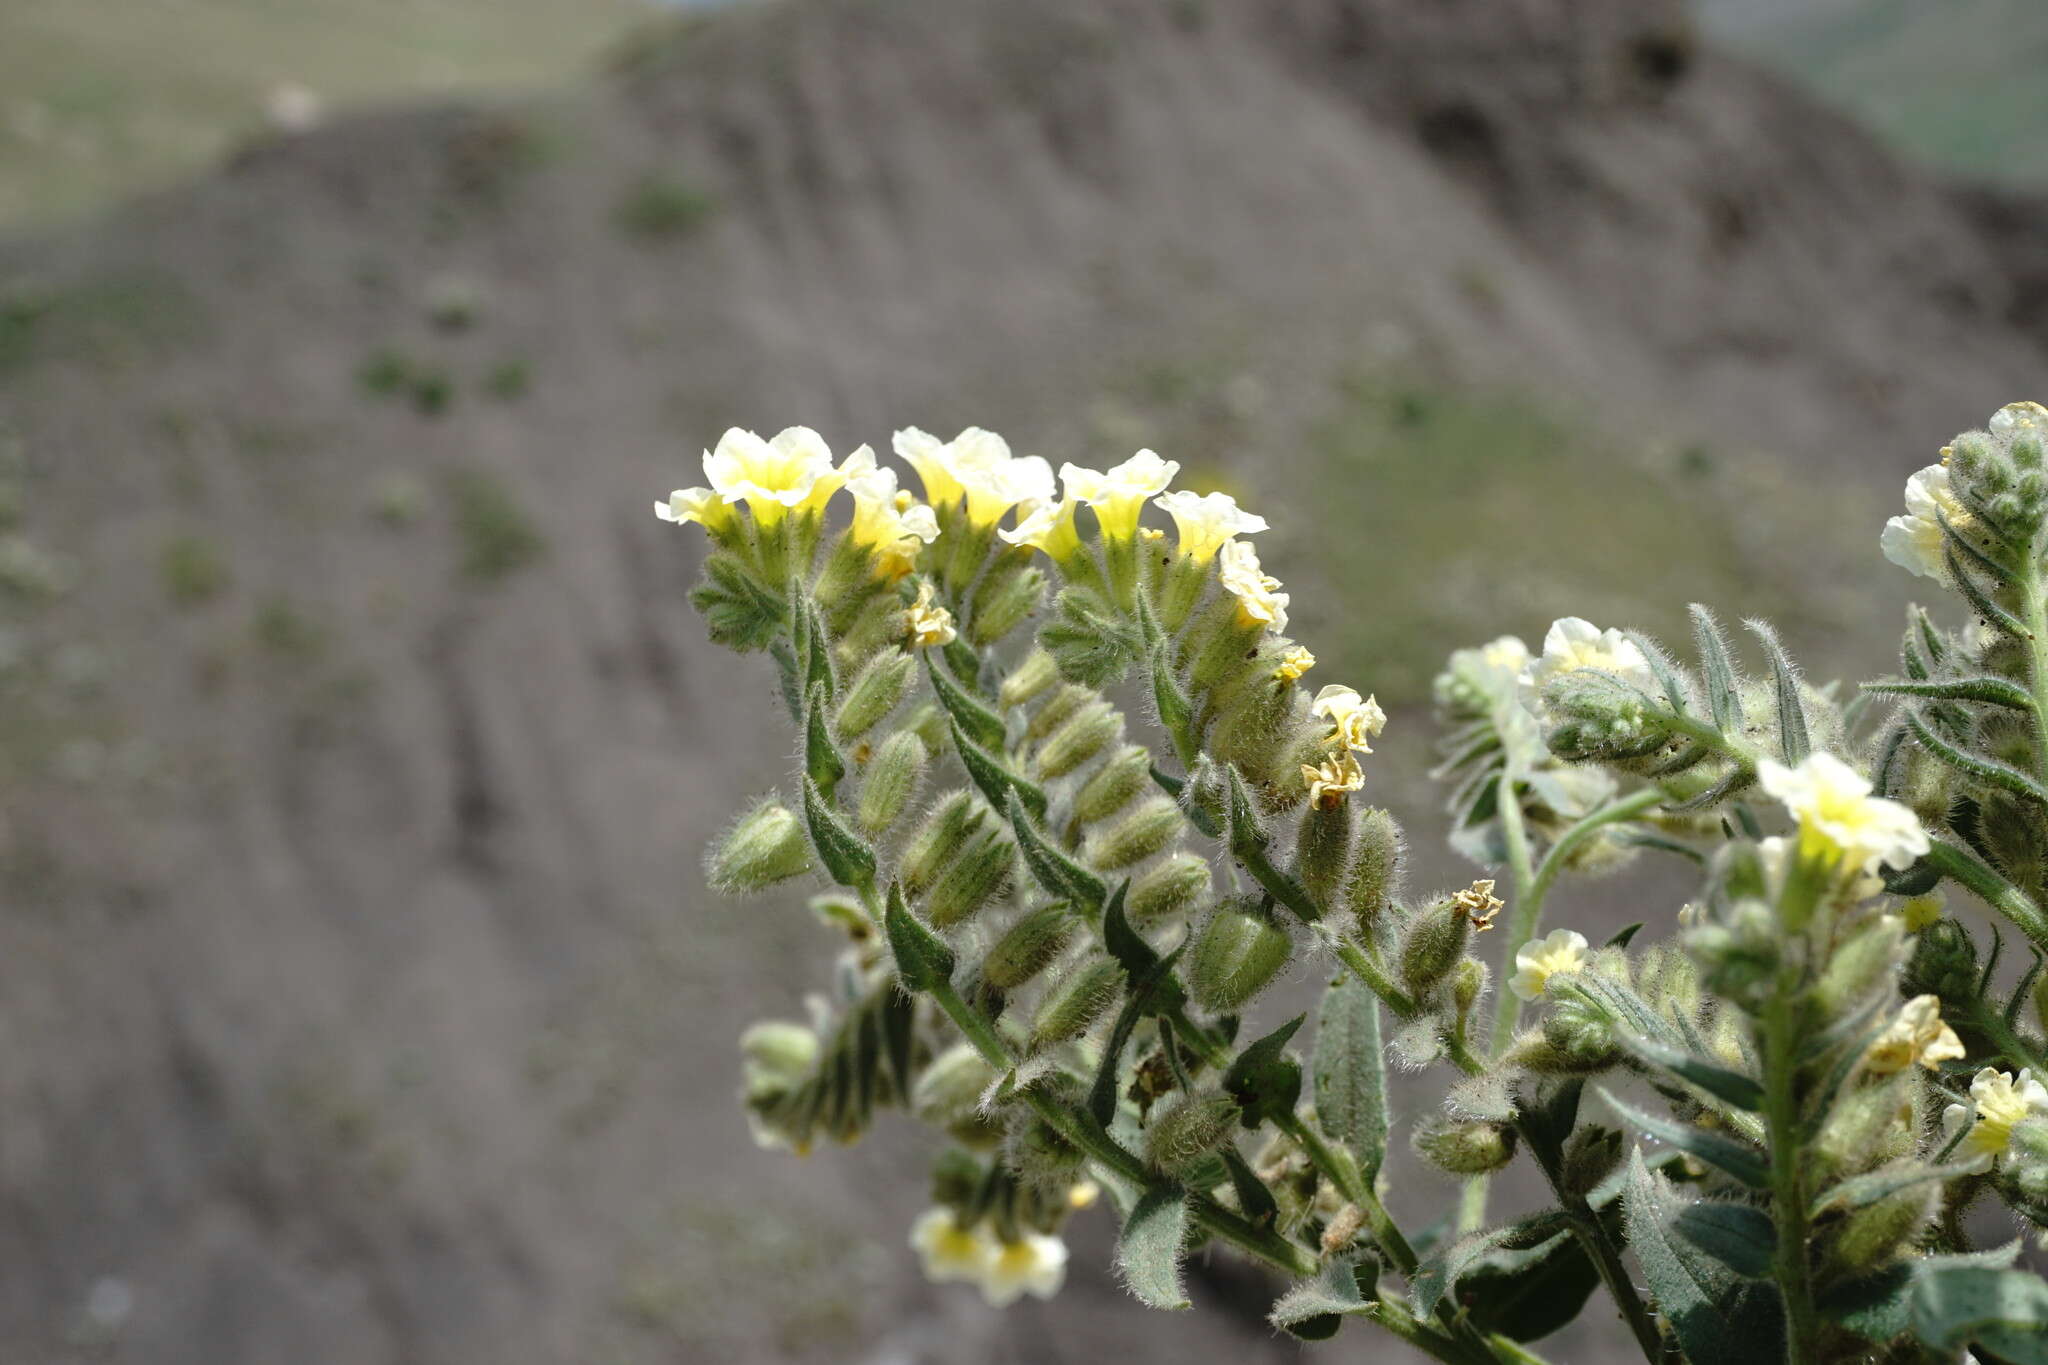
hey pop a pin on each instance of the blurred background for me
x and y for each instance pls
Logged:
(359, 998)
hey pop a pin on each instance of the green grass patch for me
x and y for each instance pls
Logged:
(192, 571)
(496, 537)
(659, 207)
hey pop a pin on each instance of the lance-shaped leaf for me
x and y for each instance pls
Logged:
(1737, 1089)
(1739, 1236)
(1524, 1280)
(1263, 1079)
(821, 756)
(969, 712)
(1986, 688)
(1723, 1153)
(1314, 1309)
(1861, 1190)
(1254, 1200)
(1149, 1251)
(1350, 1071)
(996, 781)
(1878, 1305)
(1057, 872)
(846, 856)
(1176, 713)
(1720, 1317)
(1987, 770)
(1676, 694)
(923, 961)
(2003, 1311)
(1723, 698)
(817, 645)
(1793, 741)
(1248, 845)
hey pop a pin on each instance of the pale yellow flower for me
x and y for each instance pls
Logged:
(1295, 662)
(1258, 601)
(976, 465)
(1207, 523)
(771, 477)
(1574, 643)
(1118, 495)
(2022, 416)
(1508, 654)
(1999, 1102)
(1083, 1194)
(1918, 1036)
(1915, 541)
(700, 505)
(1048, 527)
(885, 519)
(930, 623)
(1357, 719)
(1332, 780)
(1034, 1264)
(1838, 817)
(949, 1251)
(1538, 962)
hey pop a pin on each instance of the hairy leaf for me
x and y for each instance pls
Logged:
(1351, 1073)
(1793, 741)
(1720, 1318)
(1718, 1081)
(1722, 698)
(1263, 1079)
(1149, 1251)
(1717, 1150)
(1314, 1309)
(974, 716)
(922, 958)
(2003, 1311)
(996, 781)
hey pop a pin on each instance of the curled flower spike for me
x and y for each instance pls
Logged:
(1915, 541)
(1999, 1102)
(1839, 820)
(1358, 719)
(1207, 522)
(1295, 662)
(930, 623)
(1034, 1264)
(1259, 603)
(1478, 904)
(1118, 495)
(1332, 780)
(1574, 643)
(1917, 1037)
(1559, 953)
(772, 477)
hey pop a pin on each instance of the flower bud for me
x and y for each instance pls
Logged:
(1216, 648)
(954, 819)
(1168, 888)
(1474, 1148)
(873, 693)
(1874, 1234)
(1861, 963)
(1236, 956)
(1087, 733)
(1376, 866)
(1738, 960)
(2026, 1159)
(931, 725)
(1042, 1156)
(1112, 786)
(1944, 963)
(1579, 1035)
(1536, 1053)
(957, 1179)
(1866, 1127)
(1146, 830)
(1187, 1128)
(1002, 603)
(1058, 708)
(1590, 1155)
(767, 846)
(1322, 851)
(1028, 947)
(892, 779)
(1434, 939)
(1075, 1002)
(1468, 983)
(979, 875)
(1030, 678)
(778, 1056)
(948, 1093)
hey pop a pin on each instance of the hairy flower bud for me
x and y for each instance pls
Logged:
(1237, 955)
(1376, 867)
(1187, 1128)
(1322, 851)
(1871, 1236)
(1474, 1148)
(1431, 944)
(1468, 983)
(1029, 946)
(1112, 786)
(1944, 962)
(873, 693)
(1136, 836)
(1580, 1036)
(891, 781)
(979, 875)
(948, 1092)
(1087, 733)
(1860, 964)
(1075, 1002)
(1042, 1156)
(954, 819)
(1028, 680)
(778, 1056)
(767, 846)
(1058, 708)
(1169, 887)
(1866, 1126)
(1001, 603)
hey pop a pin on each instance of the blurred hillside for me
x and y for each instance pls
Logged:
(1957, 84)
(357, 743)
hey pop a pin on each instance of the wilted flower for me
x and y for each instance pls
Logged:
(1478, 904)
(1915, 541)
(1358, 719)
(1207, 523)
(1331, 780)
(1838, 817)
(1558, 953)
(1917, 1036)
(1119, 494)
(1999, 1101)
(1295, 662)
(930, 623)
(1259, 601)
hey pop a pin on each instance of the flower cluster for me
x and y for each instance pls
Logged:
(1033, 1263)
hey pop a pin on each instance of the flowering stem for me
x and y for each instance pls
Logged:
(1393, 1315)
(1995, 891)
(1780, 1047)
(1351, 1183)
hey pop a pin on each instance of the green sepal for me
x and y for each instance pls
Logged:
(847, 857)
(1086, 638)
(995, 781)
(923, 961)
(1723, 699)
(1176, 713)
(1263, 1079)
(1149, 1251)
(1248, 845)
(1058, 873)
(738, 612)
(815, 651)
(970, 713)
(822, 763)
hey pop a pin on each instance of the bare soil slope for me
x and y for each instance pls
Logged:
(360, 1000)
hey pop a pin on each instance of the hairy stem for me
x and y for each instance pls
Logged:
(1995, 891)
(1788, 1182)
(1593, 1236)
(2034, 604)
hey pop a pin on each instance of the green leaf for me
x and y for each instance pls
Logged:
(847, 857)
(995, 781)
(1986, 688)
(1254, 1200)
(1723, 1153)
(1176, 714)
(1523, 1281)
(821, 756)
(1992, 613)
(923, 961)
(1058, 873)
(1666, 675)
(816, 650)
(1793, 741)
(1102, 1092)
(1732, 1086)
(1723, 699)
(1720, 1318)
(1858, 1191)
(981, 724)
(1314, 1309)
(1987, 770)
(1263, 1079)
(1739, 1236)
(1350, 1072)
(2002, 1311)
(1149, 1251)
